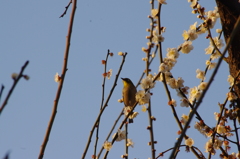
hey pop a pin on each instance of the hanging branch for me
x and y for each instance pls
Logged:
(60, 85)
(16, 79)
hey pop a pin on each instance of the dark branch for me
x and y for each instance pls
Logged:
(66, 8)
(13, 86)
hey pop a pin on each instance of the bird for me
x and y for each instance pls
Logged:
(128, 93)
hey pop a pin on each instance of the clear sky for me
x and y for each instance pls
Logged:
(32, 30)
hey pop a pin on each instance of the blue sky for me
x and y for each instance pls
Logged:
(32, 30)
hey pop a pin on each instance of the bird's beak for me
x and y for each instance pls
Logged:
(122, 79)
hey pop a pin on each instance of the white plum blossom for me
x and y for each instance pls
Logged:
(172, 53)
(218, 42)
(191, 34)
(186, 47)
(57, 78)
(202, 85)
(154, 13)
(189, 142)
(147, 83)
(230, 80)
(231, 96)
(175, 83)
(157, 37)
(200, 74)
(210, 64)
(142, 97)
(209, 49)
(107, 145)
(121, 135)
(194, 93)
(130, 142)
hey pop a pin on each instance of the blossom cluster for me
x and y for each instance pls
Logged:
(191, 34)
(142, 97)
(147, 83)
(214, 54)
(195, 92)
(121, 135)
(212, 147)
(209, 17)
(170, 60)
(128, 109)
(189, 142)
(203, 129)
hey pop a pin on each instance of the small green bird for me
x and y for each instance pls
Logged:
(128, 92)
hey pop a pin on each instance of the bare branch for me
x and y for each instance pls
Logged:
(60, 85)
(103, 93)
(20, 75)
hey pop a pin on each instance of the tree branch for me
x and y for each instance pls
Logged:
(60, 85)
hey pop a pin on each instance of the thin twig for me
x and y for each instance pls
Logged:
(20, 75)
(126, 142)
(66, 8)
(1, 91)
(151, 134)
(162, 153)
(109, 134)
(103, 94)
(206, 69)
(159, 31)
(151, 44)
(236, 133)
(223, 152)
(120, 127)
(105, 105)
(7, 155)
(60, 85)
(213, 43)
(172, 107)
(151, 130)
(163, 75)
(140, 79)
(225, 138)
(201, 156)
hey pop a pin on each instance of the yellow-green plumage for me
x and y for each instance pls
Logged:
(128, 92)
